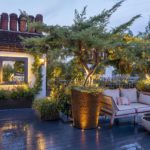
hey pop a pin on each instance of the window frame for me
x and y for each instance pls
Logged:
(23, 59)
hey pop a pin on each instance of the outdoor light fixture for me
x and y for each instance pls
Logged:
(42, 61)
(147, 76)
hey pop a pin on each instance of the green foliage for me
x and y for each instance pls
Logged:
(19, 93)
(19, 66)
(4, 95)
(64, 103)
(143, 85)
(86, 40)
(93, 90)
(7, 72)
(46, 108)
(38, 83)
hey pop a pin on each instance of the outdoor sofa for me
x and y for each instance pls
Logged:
(139, 103)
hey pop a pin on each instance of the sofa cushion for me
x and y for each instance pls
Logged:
(123, 101)
(143, 109)
(137, 107)
(131, 94)
(125, 110)
(125, 107)
(145, 99)
(115, 93)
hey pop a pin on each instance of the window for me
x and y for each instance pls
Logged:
(13, 70)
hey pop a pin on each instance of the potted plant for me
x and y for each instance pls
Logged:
(91, 46)
(86, 107)
(46, 108)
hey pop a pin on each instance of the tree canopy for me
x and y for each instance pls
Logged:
(92, 45)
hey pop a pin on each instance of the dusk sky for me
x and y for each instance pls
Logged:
(62, 11)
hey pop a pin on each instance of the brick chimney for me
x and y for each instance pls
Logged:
(13, 22)
(31, 29)
(22, 23)
(39, 18)
(4, 21)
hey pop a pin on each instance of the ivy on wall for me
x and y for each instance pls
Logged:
(37, 71)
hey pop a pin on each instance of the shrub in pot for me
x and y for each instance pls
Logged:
(46, 108)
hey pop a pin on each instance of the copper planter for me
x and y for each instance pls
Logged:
(85, 109)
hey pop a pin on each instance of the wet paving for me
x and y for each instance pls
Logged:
(22, 130)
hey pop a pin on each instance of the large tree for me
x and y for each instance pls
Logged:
(89, 41)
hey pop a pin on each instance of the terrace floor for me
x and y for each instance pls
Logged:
(22, 130)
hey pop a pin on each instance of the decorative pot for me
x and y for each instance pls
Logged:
(146, 121)
(85, 109)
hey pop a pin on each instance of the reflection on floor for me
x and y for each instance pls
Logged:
(22, 130)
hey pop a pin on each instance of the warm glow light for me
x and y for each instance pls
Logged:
(41, 142)
(42, 61)
(84, 118)
(97, 138)
(147, 76)
(82, 130)
(9, 126)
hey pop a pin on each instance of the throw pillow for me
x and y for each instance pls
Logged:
(145, 99)
(123, 101)
(131, 94)
(112, 93)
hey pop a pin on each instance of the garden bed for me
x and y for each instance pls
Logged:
(19, 97)
(12, 103)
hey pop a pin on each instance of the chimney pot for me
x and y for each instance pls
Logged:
(4, 21)
(31, 18)
(39, 18)
(22, 23)
(13, 21)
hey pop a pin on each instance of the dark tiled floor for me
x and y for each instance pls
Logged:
(22, 130)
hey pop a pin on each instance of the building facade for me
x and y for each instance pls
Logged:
(13, 55)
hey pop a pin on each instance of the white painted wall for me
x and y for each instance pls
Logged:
(31, 77)
(42, 93)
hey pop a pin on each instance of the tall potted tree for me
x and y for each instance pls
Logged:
(92, 44)
(89, 42)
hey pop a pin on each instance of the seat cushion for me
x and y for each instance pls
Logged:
(131, 94)
(137, 105)
(125, 111)
(143, 109)
(115, 93)
(145, 99)
(125, 107)
(132, 108)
